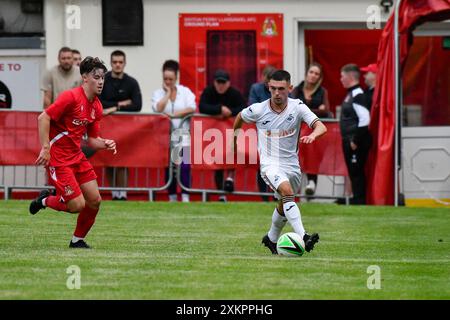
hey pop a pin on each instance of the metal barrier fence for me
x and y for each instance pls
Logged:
(333, 179)
(29, 177)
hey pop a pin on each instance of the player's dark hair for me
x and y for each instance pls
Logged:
(352, 68)
(89, 63)
(171, 65)
(118, 53)
(75, 51)
(64, 49)
(281, 75)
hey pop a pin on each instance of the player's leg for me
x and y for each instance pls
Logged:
(278, 222)
(294, 214)
(272, 178)
(86, 177)
(290, 208)
(86, 217)
(68, 196)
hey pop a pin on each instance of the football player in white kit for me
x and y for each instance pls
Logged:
(278, 122)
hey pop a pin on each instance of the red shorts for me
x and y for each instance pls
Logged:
(67, 180)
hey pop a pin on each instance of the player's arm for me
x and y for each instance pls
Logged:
(250, 114)
(44, 133)
(98, 143)
(238, 122)
(319, 130)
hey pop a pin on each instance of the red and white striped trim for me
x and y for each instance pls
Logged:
(58, 136)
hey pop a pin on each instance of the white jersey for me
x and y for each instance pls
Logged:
(278, 133)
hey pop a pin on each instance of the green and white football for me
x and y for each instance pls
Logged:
(291, 244)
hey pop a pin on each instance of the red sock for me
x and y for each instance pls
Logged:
(86, 219)
(55, 203)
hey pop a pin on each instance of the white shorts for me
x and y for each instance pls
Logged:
(275, 175)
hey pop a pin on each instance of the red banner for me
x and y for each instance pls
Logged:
(19, 138)
(242, 44)
(211, 141)
(211, 147)
(142, 140)
(325, 155)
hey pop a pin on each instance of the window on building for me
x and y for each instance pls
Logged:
(21, 24)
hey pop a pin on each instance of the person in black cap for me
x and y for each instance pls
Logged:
(222, 100)
(370, 78)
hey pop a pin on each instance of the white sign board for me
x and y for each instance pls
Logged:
(22, 79)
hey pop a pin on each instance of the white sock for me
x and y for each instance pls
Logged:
(173, 198)
(76, 239)
(278, 222)
(44, 202)
(123, 194)
(292, 213)
(115, 194)
(184, 197)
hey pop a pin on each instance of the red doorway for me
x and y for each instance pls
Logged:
(335, 48)
(235, 52)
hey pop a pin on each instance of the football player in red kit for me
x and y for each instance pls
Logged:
(61, 128)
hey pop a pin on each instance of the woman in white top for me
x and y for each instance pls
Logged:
(177, 101)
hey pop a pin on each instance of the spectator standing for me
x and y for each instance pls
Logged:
(121, 92)
(315, 96)
(76, 57)
(354, 123)
(177, 101)
(60, 78)
(370, 78)
(259, 92)
(222, 100)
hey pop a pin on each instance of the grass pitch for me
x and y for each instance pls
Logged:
(212, 251)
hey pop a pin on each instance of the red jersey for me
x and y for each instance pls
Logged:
(72, 115)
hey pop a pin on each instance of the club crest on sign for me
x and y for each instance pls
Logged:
(269, 28)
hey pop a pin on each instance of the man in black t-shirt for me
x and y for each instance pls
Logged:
(222, 100)
(120, 93)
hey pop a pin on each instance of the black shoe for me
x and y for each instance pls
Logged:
(36, 204)
(310, 241)
(269, 244)
(228, 186)
(340, 201)
(79, 244)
